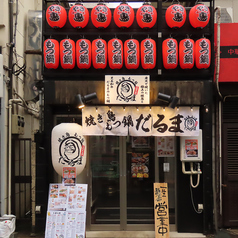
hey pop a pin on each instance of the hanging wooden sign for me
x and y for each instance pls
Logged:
(161, 210)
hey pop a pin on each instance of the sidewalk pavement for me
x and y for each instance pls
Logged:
(223, 233)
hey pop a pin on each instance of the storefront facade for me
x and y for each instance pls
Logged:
(122, 168)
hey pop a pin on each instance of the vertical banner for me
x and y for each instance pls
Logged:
(161, 210)
(127, 89)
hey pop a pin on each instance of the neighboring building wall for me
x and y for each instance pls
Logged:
(229, 10)
(19, 17)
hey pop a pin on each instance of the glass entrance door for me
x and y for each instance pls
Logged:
(140, 165)
(122, 172)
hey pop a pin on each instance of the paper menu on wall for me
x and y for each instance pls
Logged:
(67, 198)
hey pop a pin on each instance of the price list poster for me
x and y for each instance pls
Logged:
(66, 214)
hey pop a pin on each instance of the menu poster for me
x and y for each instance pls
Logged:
(66, 215)
(64, 224)
(140, 165)
(69, 176)
(191, 148)
(165, 146)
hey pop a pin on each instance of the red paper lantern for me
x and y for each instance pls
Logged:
(67, 54)
(148, 53)
(123, 15)
(175, 16)
(78, 16)
(101, 16)
(99, 53)
(146, 16)
(203, 53)
(83, 53)
(186, 53)
(132, 53)
(51, 54)
(170, 53)
(199, 16)
(115, 53)
(56, 16)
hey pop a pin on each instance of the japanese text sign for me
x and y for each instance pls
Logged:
(161, 210)
(128, 89)
(140, 121)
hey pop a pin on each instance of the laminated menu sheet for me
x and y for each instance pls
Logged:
(66, 213)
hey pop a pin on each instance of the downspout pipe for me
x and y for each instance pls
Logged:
(10, 102)
(10, 45)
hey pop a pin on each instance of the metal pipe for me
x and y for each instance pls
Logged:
(11, 45)
(10, 150)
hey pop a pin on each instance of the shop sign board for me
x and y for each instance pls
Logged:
(127, 89)
(66, 213)
(161, 210)
(140, 121)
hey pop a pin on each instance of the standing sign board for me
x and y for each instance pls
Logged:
(161, 210)
(66, 214)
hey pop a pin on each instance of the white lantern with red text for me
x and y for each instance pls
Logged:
(101, 16)
(199, 16)
(146, 16)
(203, 53)
(175, 16)
(56, 16)
(186, 53)
(99, 53)
(170, 53)
(115, 53)
(132, 53)
(83, 53)
(68, 147)
(67, 54)
(123, 15)
(78, 16)
(51, 54)
(148, 53)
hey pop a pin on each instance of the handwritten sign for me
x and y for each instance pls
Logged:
(161, 208)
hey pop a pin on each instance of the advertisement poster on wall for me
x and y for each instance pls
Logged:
(191, 148)
(165, 146)
(140, 165)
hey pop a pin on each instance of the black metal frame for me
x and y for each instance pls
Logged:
(159, 33)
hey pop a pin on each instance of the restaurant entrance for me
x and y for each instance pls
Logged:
(123, 170)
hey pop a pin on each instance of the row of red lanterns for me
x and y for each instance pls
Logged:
(199, 16)
(101, 16)
(187, 53)
(123, 15)
(99, 52)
